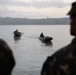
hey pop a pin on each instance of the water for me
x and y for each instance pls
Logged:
(29, 52)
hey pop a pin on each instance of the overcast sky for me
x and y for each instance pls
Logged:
(35, 8)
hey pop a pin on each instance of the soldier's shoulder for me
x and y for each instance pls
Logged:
(61, 53)
(69, 48)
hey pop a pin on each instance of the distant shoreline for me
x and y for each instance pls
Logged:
(26, 21)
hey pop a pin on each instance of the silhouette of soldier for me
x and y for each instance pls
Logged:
(63, 62)
(16, 31)
(7, 61)
(41, 35)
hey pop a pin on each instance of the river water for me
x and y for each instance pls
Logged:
(29, 52)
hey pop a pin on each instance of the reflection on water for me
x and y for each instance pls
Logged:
(16, 38)
(49, 43)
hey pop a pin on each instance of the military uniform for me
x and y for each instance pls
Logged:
(63, 62)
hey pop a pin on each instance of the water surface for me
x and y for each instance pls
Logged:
(29, 51)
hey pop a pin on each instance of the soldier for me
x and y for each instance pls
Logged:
(16, 31)
(41, 35)
(7, 61)
(63, 62)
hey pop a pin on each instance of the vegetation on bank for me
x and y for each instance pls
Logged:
(26, 21)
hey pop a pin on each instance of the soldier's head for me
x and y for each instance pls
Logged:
(7, 61)
(72, 14)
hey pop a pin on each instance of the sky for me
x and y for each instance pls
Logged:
(35, 8)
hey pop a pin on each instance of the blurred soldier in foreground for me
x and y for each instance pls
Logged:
(7, 61)
(63, 62)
